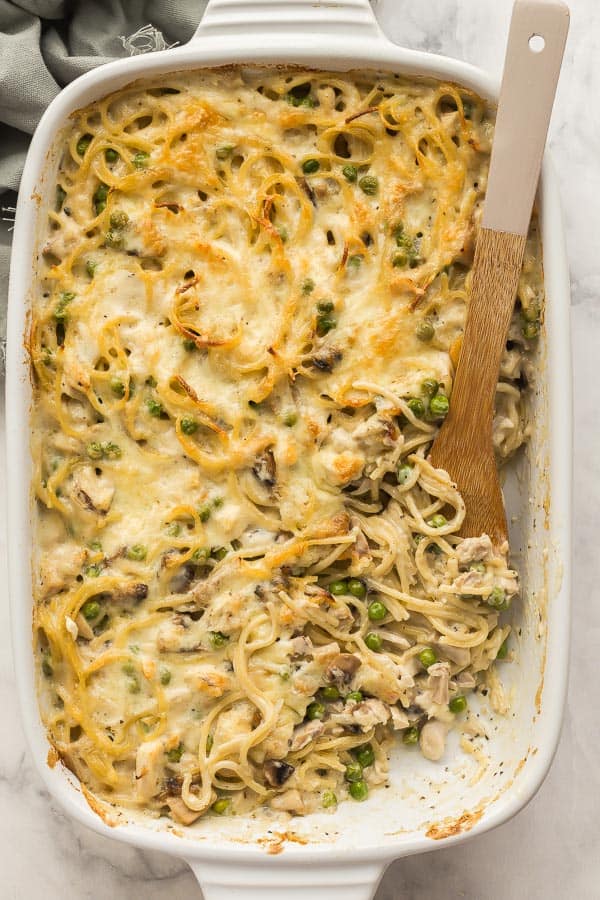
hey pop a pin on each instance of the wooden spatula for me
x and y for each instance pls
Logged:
(463, 447)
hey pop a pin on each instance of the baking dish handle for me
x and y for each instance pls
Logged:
(267, 18)
(346, 881)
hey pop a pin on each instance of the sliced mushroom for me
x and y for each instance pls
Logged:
(308, 190)
(264, 468)
(342, 669)
(326, 359)
(277, 772)
(134, 592)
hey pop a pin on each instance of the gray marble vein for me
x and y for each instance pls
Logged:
(552, 849)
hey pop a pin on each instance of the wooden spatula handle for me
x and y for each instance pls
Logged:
(526, 99)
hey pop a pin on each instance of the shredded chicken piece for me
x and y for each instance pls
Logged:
(306, 733)
(148, 768)
(437, 682)
(474, 549)
(91, 490)
(432, 739)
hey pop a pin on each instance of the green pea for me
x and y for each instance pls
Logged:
(411, 735)
(221, 805)
(424, 330)
(330, 692)
(359, 790)
(325, 306)
(95, 545)
(357, 588)
(325, 324)
(111, 155)
(477, 567)
(437, 521)
(430, 387)
(315, 710)
(218, 502)
(90, 610)
(338, 588)
(354, 697)
(399, 259)
(353, 772)
(137, 552)
(458, 704)
(154, 407)
(90, 267)
(503, 650)
(174, 755)
(173, 529)
(439, 406)
(219, 553)
(296, 100)
(117, 387)
(209, 743)
(290, 419)
(530, 330)
(165, 675)
(119, 220)
(369, 184)
(355, 261)
(140, 160)
(497, 599)
(404, 473)
(374, 642)
(202, 554)
(282, 232)
(60, 310)
(377, 611)
(93, 571)
(217, 639)
(61, 195)
(427, 657)
(204, 512)
(417, 407)
(350, 173)
(83, 143)
(94, 450)
(189, 425)
(189, 344)
(151, 381)
(112, 451)
(310, 166)
(99, 197)
(531, 313)
(113, 239)
(365, 755)
(308, 286)
(224, 151)
(134, 685)
(329, 799)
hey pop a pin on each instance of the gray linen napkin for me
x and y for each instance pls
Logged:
(44, 44)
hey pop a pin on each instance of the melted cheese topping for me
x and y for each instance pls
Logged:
(252, 297)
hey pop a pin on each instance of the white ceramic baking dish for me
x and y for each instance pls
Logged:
(427, 805)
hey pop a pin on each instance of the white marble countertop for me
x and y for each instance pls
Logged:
(552, 849)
